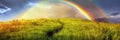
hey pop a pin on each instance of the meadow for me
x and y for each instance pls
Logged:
(58, 29)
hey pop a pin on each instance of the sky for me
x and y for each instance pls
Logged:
(49, 10)
(108, 6)
(16, 7)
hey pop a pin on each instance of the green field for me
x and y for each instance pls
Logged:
(58, 29)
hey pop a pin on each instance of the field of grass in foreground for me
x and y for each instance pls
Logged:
(58, 29)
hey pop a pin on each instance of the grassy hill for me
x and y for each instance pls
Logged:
(58, 29)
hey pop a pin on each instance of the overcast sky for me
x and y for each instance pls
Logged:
(110, 6)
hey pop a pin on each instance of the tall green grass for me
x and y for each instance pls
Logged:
(58, 29)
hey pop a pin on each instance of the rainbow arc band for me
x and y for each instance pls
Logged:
(79, 8)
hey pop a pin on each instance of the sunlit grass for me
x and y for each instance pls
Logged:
(58, 29)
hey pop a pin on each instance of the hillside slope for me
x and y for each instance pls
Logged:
(58, 29)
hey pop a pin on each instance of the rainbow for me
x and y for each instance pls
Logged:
(86, 13)
(79, 8)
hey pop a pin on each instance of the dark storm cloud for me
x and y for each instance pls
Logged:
(109, 5)
(114, 14)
